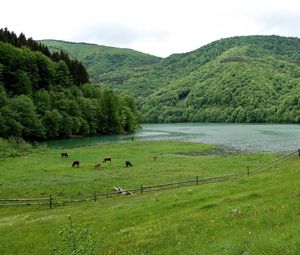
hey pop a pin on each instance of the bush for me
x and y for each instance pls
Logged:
(77, 239)
(14, 147)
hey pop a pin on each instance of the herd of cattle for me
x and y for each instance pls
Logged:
(119, 190)
(76, 163)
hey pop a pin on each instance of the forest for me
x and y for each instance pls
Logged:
(46, 95)
(244, 79)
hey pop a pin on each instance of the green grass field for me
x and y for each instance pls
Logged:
(259, 214)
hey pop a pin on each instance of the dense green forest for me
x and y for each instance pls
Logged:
(40, 99)
(239, 79)
(77, 70)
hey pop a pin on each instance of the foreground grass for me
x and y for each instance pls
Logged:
(259, 214)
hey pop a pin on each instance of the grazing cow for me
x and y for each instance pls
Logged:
(155, 157)
(107, 159)
(64, 155)
(97, 166)
(75, 163)
(128, 163)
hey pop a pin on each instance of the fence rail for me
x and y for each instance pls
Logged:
(59, 200)
(23, 199)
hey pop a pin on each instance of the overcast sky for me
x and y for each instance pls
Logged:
(158, 27)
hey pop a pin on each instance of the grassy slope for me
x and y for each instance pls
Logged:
(193, 220)
(100, 59)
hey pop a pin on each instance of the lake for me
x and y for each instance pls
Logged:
(242, 137)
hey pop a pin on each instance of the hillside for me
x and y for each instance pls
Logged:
(101, 59)
(239, 79)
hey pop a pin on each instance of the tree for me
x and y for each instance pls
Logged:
(129, 113)
(42, 101)
(20, 83)
(62, 74)
(110, 105)
(10, 126)
(53, 120)
(26, 115)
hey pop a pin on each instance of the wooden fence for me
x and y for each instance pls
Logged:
(57, 200)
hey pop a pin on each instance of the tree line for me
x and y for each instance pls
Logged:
(77, 71)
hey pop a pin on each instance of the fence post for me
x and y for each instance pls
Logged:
(248, 171)
(50, 201)
(95, 196)
(142, 189)
(197, 180)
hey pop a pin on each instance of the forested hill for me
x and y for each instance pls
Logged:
(100, 59)
(77, 71)
(41, 99)
(238, 79)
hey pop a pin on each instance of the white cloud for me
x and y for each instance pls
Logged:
(159, 27)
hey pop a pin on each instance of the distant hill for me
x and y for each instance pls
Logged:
(101, 59)
(238, 79)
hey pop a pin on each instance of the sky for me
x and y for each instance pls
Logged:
(157, 27)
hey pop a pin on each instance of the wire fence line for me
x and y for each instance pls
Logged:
(59, 200)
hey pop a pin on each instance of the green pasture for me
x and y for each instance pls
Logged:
(259, 214)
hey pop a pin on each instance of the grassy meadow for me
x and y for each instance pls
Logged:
(259, 214)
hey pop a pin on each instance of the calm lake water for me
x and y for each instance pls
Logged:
(242, 137)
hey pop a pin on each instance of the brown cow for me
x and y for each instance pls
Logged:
(98, 165)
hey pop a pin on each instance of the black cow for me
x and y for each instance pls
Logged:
(128, 163)
(64, 155)
(75, 163)
(107, 159)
